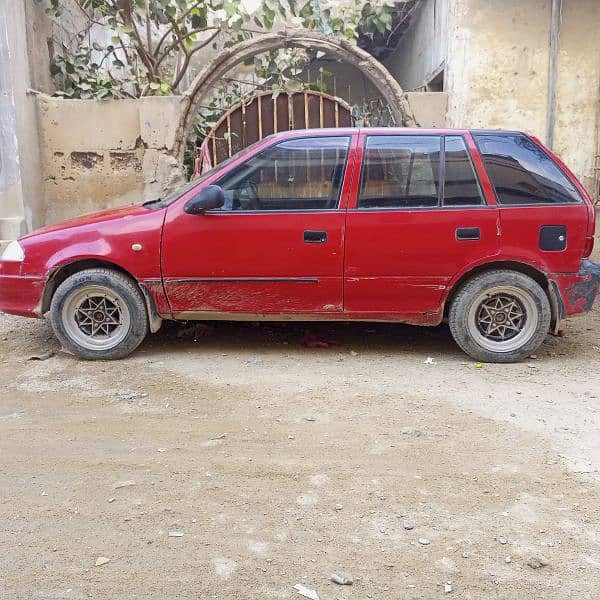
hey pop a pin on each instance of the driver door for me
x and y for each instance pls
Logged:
(275, 247)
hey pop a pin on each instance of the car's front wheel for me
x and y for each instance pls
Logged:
(500, 316)
(99, 314)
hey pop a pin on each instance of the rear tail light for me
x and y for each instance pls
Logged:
(589, 246)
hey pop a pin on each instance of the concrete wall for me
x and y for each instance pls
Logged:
(20, 181)
(497, 72)
(421, 53)
(98, 155)
(429, 108)
(578, 93)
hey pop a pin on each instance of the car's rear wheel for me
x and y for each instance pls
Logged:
(99, 314)
(500, 316)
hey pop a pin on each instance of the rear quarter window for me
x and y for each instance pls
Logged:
(522, 173)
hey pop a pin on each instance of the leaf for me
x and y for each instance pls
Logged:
(293, 86)
(269, 18)
(198, 21)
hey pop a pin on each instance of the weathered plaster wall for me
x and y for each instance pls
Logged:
(429, 108)
(98, 155)
(497, 72)
(578, 91)
(498, 63)
(421, 52)
(20, 182)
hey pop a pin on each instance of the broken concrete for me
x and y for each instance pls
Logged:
(98, 155)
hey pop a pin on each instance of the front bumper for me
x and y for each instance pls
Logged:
(20, 294)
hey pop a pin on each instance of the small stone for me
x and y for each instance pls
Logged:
(338, 507)
(353, 353)
(424, 541)
(176, 534)
(508, 559)
(306, 592)
(42, 355)
(291, 437)
(502, 540)
(111, 499)
(447, 588)
(44, 493)
(341, 579)
(101, 560)
(407, 524)
(124, 484)
(410, 431)
(537, 562)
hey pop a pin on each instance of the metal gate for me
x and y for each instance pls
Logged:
(266, 113)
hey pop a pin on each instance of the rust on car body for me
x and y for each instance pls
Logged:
(583, 293)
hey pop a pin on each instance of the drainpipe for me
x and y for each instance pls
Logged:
(555, 18)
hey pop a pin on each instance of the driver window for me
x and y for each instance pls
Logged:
(298, 174)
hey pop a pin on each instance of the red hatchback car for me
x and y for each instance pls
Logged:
(487, 229)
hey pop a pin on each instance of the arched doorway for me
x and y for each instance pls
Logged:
(342, 49)
(267, 113)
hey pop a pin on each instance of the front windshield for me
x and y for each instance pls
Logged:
(163, 202)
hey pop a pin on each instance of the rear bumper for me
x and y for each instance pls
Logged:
(579, 292)
(21, 294)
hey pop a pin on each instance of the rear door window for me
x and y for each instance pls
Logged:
(400, 171)
(404, 171)
(522, 173)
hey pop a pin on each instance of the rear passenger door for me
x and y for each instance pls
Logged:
(419, 218)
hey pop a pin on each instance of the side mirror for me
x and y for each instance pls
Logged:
(208, 198)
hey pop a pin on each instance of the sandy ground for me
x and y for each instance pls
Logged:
(276, 464)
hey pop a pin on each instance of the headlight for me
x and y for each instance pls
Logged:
(13, 253)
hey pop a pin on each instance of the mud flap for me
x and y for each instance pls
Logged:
(154, 320)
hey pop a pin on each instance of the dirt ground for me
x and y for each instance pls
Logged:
(239, 463)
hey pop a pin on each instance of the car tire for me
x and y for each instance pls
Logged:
(500, 316)
(99, 314)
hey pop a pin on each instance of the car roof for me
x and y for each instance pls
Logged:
(391, 130)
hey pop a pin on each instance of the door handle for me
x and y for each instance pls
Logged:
(315, 237)
(468, 233)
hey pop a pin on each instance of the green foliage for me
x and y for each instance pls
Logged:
(152, 42)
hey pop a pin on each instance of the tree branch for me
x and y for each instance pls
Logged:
(178, 40)
(126, 13)
(185, 14)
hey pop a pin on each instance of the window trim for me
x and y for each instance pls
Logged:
(484, 133)
(442, 175)
(476, 176)
(349, 150)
